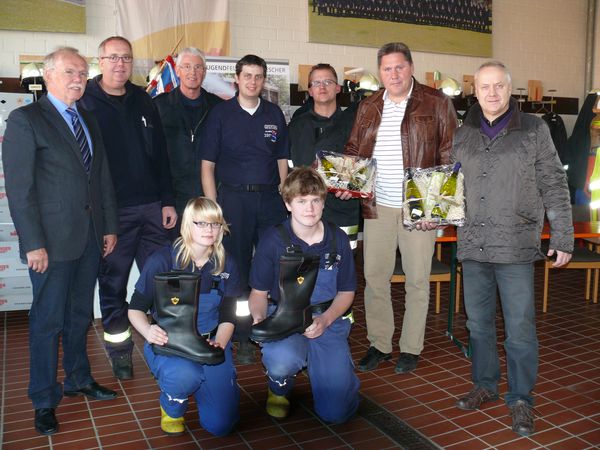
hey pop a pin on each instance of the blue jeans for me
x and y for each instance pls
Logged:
(63, 305)
(515, 284)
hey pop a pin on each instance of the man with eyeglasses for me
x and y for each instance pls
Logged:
(325, 127)
(405, 125)
(136, 150)
(183, 112)
(245, 149)
(62, 202)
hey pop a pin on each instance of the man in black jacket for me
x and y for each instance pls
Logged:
(136, 151)
(183, 113)
(325, 127)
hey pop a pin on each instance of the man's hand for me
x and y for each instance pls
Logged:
(317, 327)
(343, 195)
(37, 260)
(110, 240)
(169, 217)
(429, 226)
(156, 335)
(562, 258)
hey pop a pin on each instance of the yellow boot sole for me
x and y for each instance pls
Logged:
(173, 426)
(277, 406)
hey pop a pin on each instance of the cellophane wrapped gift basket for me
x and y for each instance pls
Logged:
(435, 194)
(347, 173)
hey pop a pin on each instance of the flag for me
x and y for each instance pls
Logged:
(165, 80)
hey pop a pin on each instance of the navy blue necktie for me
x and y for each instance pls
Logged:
(86, 154)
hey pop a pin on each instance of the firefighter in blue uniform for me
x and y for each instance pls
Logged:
(198, 250)
(245, 150)
(323, 346)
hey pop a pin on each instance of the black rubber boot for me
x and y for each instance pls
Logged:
(176, 307)
(297, 278)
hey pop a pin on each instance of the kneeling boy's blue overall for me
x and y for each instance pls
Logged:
(327, 358)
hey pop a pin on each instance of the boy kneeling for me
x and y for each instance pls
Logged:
(322, 346)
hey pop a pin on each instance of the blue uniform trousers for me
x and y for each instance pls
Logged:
(330, 369)
(63, 305)
(140, 234)
(515, 284)
(214, 387)
(248, 215)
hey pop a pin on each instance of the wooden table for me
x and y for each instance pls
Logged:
(582, 230)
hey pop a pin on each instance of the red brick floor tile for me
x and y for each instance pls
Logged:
(487, 427)
(364, 435)
(570, 444)
(121, 438)
(378, 443)
(26, 443)
(593, 437)
(471, 444)
(133, 445)
(453, 437)
(88, 444)
(518, 444)
(498, 438)
(330, 442)
(550, 436)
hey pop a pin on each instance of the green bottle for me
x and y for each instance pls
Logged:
(448, 189)
(413, 196)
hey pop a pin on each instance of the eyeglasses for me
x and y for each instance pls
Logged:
(189, 67)
(319, 83)
(205, 225)
(115, 58)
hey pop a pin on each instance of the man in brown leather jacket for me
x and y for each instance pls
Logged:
(405, 125)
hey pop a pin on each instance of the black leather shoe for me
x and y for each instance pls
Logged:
(122, 367)
(372, 359)
(93, 390)
(45, 421)
(406, 363)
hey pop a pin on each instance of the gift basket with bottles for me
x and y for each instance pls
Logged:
(434, 194)
(347, 173)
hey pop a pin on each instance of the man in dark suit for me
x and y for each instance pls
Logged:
(61, 199)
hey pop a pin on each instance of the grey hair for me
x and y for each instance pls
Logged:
(497, 65)
(51, 58)
(193, 51)
(113, 38)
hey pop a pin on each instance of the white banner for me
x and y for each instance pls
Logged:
(155, 27)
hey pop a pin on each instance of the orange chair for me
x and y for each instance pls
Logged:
(583, 258)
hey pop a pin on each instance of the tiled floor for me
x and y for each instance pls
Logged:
(567, 393)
